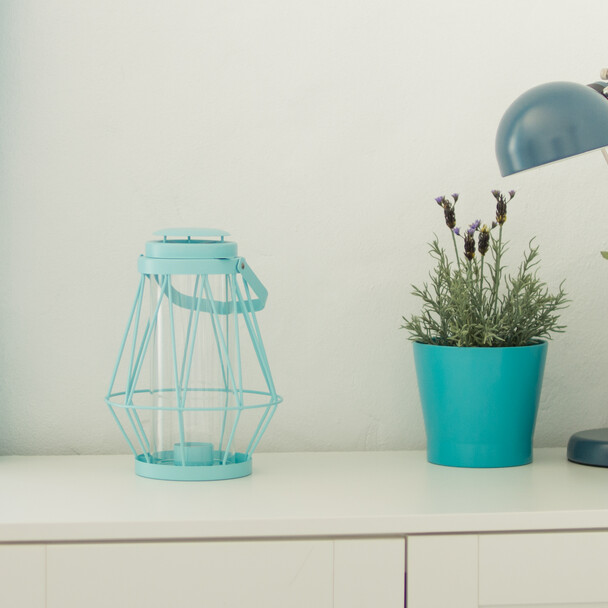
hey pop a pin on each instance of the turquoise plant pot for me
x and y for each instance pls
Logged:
(480, 404)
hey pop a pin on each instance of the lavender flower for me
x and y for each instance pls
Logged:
(501, 205)
(456, 231)
(483, 243)
(450, 216)
(501, 210)
(448, 209)
(473, 227)
(469, 246)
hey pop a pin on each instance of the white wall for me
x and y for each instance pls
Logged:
(318, 133)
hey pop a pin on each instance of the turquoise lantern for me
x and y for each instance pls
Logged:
(192, 390)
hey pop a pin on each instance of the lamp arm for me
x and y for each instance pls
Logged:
(602, 88)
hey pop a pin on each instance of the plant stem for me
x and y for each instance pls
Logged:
(496, 284)
(481, 306)
(455, 249)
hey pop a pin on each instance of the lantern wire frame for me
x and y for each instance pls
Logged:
(224, 314)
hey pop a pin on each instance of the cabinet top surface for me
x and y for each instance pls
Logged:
(54, 498)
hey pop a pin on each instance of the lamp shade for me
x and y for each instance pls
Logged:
(550, 122)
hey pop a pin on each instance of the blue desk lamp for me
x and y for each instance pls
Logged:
(548, 123)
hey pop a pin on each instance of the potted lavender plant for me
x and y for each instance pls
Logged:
(480, 344)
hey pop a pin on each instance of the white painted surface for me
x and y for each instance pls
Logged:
(155, 575)
(543, 568)
(317, 133)
(369, 572)
(296, 495)
(558, 605)
(22, 576)
(308, 520)
(442, 571)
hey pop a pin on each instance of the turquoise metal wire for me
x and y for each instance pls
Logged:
(239, 369)
(259, 348)
(224, 353)
(140, 432)
(136, 306)
(206, 408)
(178, 393)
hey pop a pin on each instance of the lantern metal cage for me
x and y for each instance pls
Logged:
(191, 390)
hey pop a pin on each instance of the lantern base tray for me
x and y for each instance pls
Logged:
(174, 471)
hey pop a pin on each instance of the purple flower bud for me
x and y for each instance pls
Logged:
(501, 210)
(484, 240)
(456, 231)
(496, 193)
(511, 193)
(473, 227)
(440, 200)
(455, 196)
(469, 246)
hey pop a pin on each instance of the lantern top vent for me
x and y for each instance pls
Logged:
(189, 232)
(191, 243)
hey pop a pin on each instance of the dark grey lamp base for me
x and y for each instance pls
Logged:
(589, 447)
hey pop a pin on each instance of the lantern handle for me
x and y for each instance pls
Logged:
(247, 305)
(252, 279)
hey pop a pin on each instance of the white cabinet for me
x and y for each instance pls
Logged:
(357, 573)
(533, 569)
(442, 571)
(22, 576)
(313, 530)
(369, 573)
(546, 570)
(218, 574)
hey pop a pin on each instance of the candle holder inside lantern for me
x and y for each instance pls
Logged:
(192, 390)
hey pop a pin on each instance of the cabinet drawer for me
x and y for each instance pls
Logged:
(369, 572)
(545, 568)
(218, 574)
(442, 571)
(22, 576)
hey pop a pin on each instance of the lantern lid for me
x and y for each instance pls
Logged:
(186, 243)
